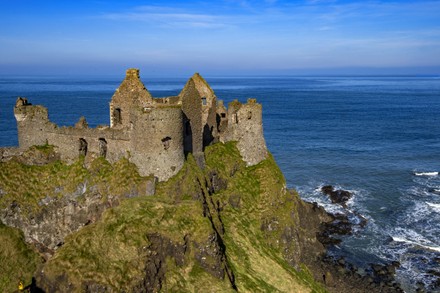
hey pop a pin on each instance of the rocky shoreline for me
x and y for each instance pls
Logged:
(344, 276)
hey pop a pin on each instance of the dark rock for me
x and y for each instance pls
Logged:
(158, 251)
(216, 182)
(340, 225)
(341, 261)
(210, 257)
(337, 196)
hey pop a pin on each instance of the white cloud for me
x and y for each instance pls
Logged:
(171, 17)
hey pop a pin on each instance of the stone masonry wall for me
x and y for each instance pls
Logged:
(209, 103)
(157, 141)
(192, 121)
(32, 122)
(131, 93)
(245, 125)
(154, 133)
(71, 143)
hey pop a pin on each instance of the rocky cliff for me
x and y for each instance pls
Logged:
(96, 227)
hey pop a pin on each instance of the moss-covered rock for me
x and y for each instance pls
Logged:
(223, 228)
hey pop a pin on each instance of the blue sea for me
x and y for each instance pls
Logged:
(378, 137)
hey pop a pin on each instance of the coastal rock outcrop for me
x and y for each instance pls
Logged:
(41, 198)
(338, 196)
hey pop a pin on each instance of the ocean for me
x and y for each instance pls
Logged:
(376, 136)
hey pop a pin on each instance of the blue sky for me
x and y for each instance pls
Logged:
(224, 37)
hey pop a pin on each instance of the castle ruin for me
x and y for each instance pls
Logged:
(155, 134)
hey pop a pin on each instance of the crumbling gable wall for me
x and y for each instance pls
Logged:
(131, 93)
(245, 125)
(192, 121)
(208, 101)
(209, 104)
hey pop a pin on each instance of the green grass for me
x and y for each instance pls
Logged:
(18, 262)
(256, 255)
(27, 185)
(114, 250)
(110, 251)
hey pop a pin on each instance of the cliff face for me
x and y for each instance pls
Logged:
(227, 227)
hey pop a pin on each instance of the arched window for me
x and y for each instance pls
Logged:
(117, 118)
(102, 147)
(82, 148)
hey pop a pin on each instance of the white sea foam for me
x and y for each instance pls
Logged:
(428, 174)
(434, 206)
(435, 190)
(429, 247)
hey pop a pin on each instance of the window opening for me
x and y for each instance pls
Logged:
(82, 147)
(117, 116)
(102, 147)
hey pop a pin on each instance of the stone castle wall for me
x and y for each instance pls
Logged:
(32, 122)
(130, 93)
(70, 142)
(156, 146)
(192, 113)
(245, 125)
(153, 133)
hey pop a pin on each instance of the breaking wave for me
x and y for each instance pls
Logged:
(429, 247)
(434, 206)
(429, 174)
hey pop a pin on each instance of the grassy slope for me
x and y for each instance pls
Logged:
(18, 262)
(27, 185)
(112, 251)
(257, 257)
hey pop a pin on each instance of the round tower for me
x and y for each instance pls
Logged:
(157, 141)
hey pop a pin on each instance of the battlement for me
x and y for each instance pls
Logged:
(156, 134)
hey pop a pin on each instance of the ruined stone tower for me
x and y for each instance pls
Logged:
(154, 133)
(131, 93)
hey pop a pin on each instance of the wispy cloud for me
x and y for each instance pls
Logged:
(172, 17)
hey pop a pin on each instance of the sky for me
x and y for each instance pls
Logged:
(224, 37)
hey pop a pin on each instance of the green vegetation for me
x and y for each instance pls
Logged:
(18, 262)
(201, 230)
(27, 185)
(256, 255)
